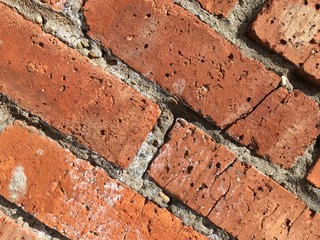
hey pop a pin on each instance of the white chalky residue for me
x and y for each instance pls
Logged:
(112, 197)
(39, 152)
(178, 86)
(113, 186)
(18, 184)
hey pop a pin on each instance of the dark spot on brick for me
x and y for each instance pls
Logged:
(189, 169)
(283, 42)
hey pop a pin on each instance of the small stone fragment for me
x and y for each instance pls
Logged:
(284, 80)
(92, 55)
(85, 43)
(38, 19)
(164, 197)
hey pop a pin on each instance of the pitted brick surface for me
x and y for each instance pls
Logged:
(295, 26)
(77, 199)
(234, 196)
(157, 38)
(281, 127)
(56, 83)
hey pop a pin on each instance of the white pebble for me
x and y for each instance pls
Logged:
(164, 197)
(38, 19)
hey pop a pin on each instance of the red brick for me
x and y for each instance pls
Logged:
(9, 230)
(77, 199)
(55, 4)
(278, 128)
(173, 48)
(188, 157)
(56, 83)
(314, 174)
(307, 226)
(236, 197)
(218, 7)
(295, 34)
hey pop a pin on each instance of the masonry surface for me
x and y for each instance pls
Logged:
(160, 119)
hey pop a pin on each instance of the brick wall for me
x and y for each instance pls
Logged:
(159, 119)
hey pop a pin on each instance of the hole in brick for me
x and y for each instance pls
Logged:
(191, 184)
(189, 169)
(283, 42)
(313, 41)
(218, 165)
(210, 164)
(186, 154)
(260, 189)
(317, 6)
(103, 132)
(112, 61)
(249, 99)
(220, 16)
(306, 2)
(312, 213)
(203, 186)
(272, 21)
(148, 15)
(134, 15)
(241, 137)
(41, 44)
(230, 56)
(167, 75)
(146, 46)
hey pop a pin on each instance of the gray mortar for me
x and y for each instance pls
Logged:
(68, 26)
(5, 117)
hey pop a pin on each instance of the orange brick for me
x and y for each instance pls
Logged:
(173, 48)
(70, 93)
(278, 128)
(9, 230)
(295, 32)
(218, 7)
(234, 196)
(55, 4)
(314, 174)
(77, 199)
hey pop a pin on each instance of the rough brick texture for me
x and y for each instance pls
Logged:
(234, 196)
(218, 7)
(314, 174)
(75, 198)
(9, 230)
(56, 83)
(157, 38)
(55, 4)
(278, 128)
(295, 27)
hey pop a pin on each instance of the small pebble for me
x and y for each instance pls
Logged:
(79, 46)
(85, 43)
(173, 101)
(284, 80)
(38, 19)
(164, 197)
(92, 54)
